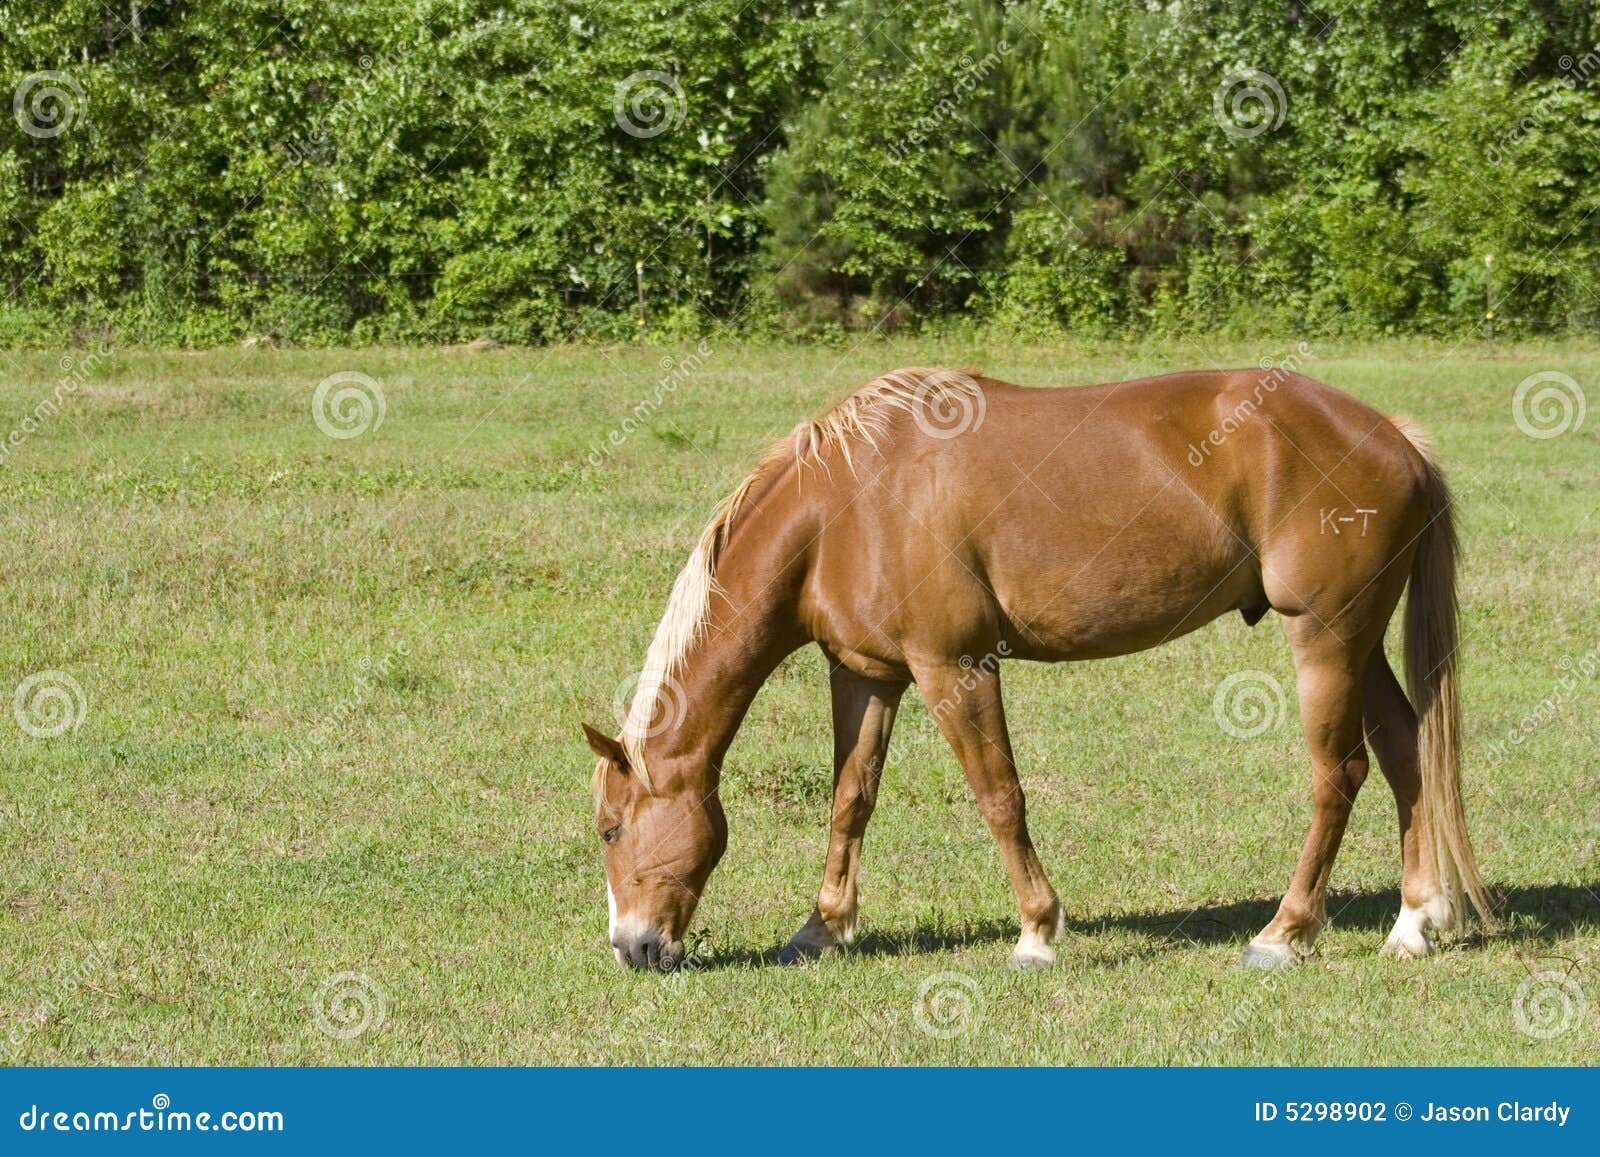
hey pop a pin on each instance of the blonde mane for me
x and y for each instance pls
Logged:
(858, 420)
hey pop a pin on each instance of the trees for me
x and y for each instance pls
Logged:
(424, 170)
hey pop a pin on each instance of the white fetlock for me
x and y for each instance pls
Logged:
(1034, 951)
(1409, 938)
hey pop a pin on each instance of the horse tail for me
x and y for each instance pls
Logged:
(1430, 644)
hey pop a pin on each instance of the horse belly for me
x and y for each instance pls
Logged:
(1151, 590)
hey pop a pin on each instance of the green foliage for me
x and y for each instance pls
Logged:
(1053, 281)
(440, 170)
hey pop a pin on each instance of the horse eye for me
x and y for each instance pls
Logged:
(610, 834)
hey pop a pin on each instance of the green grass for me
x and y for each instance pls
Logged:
(333, 690)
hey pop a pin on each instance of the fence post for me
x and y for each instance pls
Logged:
(638, 280)
(1488, 301)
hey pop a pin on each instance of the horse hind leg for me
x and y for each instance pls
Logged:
(1391, 727)
(1329, 676)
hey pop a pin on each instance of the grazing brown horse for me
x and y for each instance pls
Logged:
(936, 521)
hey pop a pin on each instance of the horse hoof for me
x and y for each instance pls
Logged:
(1409, 938)
(1412, 947)
(1260, 956)
(1032, 960)
(798, 951)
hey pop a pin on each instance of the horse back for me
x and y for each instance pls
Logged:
(1093, 521)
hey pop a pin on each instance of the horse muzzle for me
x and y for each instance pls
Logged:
(647, 948)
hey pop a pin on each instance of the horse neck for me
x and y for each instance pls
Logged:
(751, 626)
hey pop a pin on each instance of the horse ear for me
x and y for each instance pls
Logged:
(605, 747)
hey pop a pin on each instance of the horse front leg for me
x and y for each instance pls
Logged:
(863, 717)
(966, 703)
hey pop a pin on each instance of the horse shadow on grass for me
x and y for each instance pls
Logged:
(1530, 917)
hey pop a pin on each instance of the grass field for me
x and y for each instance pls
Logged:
(330, 693)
